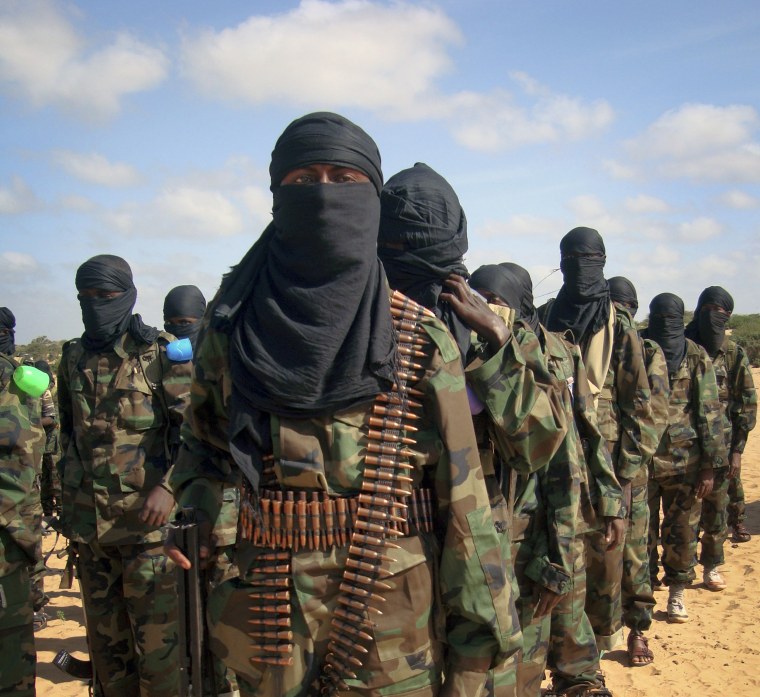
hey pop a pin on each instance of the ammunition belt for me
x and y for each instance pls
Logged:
(312, 520)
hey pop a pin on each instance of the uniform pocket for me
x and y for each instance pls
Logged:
(139, 408)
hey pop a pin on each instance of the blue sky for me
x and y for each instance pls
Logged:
(144, 129)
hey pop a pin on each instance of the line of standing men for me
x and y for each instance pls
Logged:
(476, 482)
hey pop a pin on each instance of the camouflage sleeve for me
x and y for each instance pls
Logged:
(203, 462)
(552, 575)
(633, 398)
(524, 402)
(48, 407)
(707, 410)
(659, 384)
(21, 445)
(598, 461)
(481, 617)
(65, 417)
(743, 402)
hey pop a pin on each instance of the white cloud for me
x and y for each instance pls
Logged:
(81, 204)
(17, 198)
(45, 62)
(739, 199)
(258, 202)
(646, 204)
(96, 169)
(590, 211)
(618, 170)
(387, 59)
(522, 226)
(18, 262)
(199, 212)
(702, 142)
(699, 230)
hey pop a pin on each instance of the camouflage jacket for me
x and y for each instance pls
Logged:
(623, 408)
(736, 391)
(21, 443)
(464, 600)
(119, 412)
(47, 405)
(693, 439)
(520, 430)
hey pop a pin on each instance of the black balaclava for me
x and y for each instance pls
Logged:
(422, 240)
(307, 308)
(623, 291)
(512, 283)
(184, 301)
(708, 327)
(667, 329)
(583, 303)
(106, 319)
(7, 341)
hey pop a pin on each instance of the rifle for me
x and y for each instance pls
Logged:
(196, 664)
(64, 661)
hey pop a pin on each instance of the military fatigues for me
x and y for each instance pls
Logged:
(50, 483)
(519, 431)
(21, 445)
(649, 519)
(448, 585)
(582, 498)
(624, 414)
(724, 506)
(693, 441)
(120, 410)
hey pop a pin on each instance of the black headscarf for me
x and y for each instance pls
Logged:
(667, 329)
(512, 283)
(7, 341)
(184, 301)
(623, 291)
(422, 239)
(708, 327)
(583, 303)
(307, 307)
(106, 319)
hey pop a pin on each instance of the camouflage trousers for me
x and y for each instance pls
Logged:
(681, 510)
(736, 508)
(18, 659)
(130, 603)
(637, 598)
(714, 521)
(50, 486)
(573, 657)
(604, 573)
(536, 631)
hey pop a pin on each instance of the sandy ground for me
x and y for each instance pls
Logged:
(717, 652)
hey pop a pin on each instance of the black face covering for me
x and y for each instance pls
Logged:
(708, 327)
(106, 319)
(184, 301)
(422, 239)
(667, 329)
(307, 308)
(583, 302)
(623, 291)
(512, 283)
(7, 341)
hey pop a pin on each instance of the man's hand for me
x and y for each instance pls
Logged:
(547, 601)
(705, 483)
(475, 313)
(614, 532)
(157, 507)
(735, 466)
(205, 544)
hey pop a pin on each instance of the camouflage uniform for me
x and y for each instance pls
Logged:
(50, 483)
(21, 444)
(625, 416)
(724, 506)
(118, 411)
(473, 613)
(585, 493)
(693, 441)
(514, 407)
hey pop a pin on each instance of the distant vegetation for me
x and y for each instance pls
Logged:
(41, 348)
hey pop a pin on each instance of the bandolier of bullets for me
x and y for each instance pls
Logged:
(383, 503)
